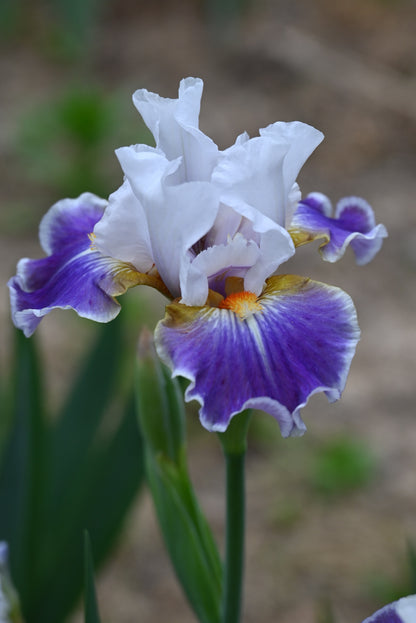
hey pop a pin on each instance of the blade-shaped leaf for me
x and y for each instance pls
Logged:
(111, 481)
(58, 478)
(91, 614)
(187, 537)
(84, 410)
(22, 471)
(95, 476)
(186, 533)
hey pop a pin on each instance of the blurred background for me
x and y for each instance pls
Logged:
(330, 515)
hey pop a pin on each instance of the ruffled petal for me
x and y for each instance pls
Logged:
(353, 224)
(214, 265)
(65, 223)
(122, 232)
(250, 178)
(173, 211)
(75, 275)
(302, 139)
(401, 611)
(271, 353)
(251, 172)
(174, 125)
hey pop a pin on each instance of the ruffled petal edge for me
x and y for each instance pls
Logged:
(352, 225)
(299, 339)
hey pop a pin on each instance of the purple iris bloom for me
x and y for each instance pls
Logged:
(211, 230)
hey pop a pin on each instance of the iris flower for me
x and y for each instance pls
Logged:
(211, 229)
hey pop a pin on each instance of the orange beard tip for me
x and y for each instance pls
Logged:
(242, 303)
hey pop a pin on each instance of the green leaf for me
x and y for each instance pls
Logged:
(22, 471)
(112, 478)
(342, 465)
(159, 402)
(187, 535)
(91, 614)
(95, 475)
(59, 477)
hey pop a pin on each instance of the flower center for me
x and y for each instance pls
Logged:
(242, 303)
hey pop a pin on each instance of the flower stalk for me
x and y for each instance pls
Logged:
(234, 446)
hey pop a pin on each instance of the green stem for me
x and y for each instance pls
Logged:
(234, 446)
(234, 548)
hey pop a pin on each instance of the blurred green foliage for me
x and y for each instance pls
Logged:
(384, 589)
(61, 475)
(67, 144)
(10, 17)
(223, 12)
(342, 465)
(325, 612)
(65, 26)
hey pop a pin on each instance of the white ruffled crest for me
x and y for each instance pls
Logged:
(210, 268)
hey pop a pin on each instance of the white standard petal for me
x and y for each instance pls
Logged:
(302, 139)
(159, 113)
(211, 267)
(177, 215)
(122, 233)
(251, 172)
(174, 124)
(147, 168)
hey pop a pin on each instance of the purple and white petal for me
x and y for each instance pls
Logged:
(65, 223)
(401, 611)
(271, 353)
(74, 276)
(352, 225)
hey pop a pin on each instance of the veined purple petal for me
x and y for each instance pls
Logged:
(401, 611)
(66, 222)
(74, 275)
(353, 224)
(298, 338)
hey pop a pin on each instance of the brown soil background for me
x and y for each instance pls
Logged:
(349, 69)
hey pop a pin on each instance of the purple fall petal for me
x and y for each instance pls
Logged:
(298, 339)
(353, 224)
(73, 276)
